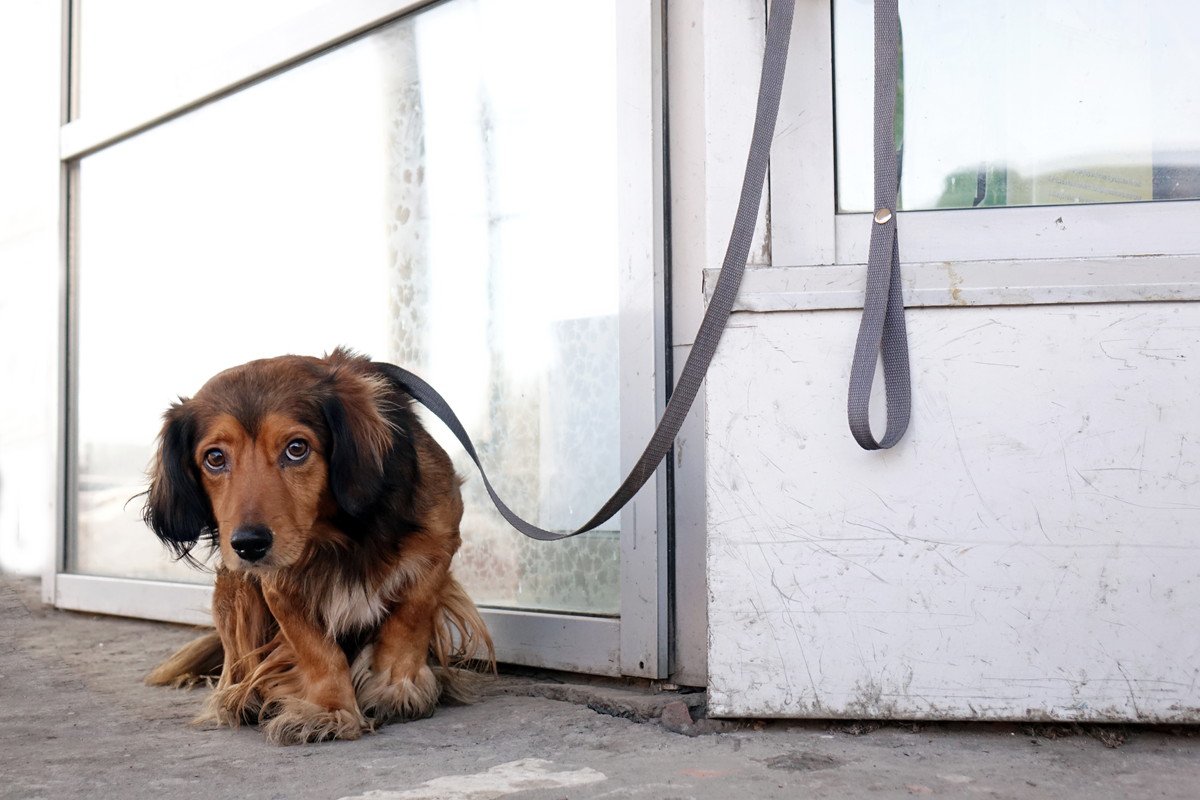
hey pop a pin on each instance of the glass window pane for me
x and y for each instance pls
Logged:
(133, 48)
(1027, 103)
(430, 195)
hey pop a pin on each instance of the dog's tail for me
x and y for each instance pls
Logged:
(461, 646)
(198, 661)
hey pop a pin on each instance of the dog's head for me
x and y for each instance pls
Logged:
(271, 456)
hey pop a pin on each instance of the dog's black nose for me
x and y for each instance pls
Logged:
(251, 542)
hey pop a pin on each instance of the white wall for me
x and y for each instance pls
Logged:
(29, 281)
(1029, 551)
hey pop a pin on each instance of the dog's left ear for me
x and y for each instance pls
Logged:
(177, 507)
(369, 436)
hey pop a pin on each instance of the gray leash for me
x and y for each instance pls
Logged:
(779, 26)
(881, 334)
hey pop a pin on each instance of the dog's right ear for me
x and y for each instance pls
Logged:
(177, 507)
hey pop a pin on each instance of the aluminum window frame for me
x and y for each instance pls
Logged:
(634, 644)
(1058, 254)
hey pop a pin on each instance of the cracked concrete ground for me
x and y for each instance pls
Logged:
(79, 723)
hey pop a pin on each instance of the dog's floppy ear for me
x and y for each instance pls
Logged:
(177, 507)
(370, 445)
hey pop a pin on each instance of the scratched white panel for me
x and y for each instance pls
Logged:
(1030, 551)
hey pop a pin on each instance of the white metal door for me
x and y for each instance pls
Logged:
(1027, 551)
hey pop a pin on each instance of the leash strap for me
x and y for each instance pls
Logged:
(881, 334)
(779, 26)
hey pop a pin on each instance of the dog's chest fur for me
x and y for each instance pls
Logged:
(353, 601)
(350, 606)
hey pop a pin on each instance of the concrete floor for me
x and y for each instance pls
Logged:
(79, 723)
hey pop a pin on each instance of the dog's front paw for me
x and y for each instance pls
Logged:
(293, 720)
(233, 705)
(396, 693)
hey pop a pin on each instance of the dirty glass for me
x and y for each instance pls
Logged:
(1026, 103)
(430, 195)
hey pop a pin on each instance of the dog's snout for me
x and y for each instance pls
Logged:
(251, 542)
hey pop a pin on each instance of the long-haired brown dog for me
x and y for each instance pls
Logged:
(335, 515)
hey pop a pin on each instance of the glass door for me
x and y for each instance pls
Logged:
(461, 190)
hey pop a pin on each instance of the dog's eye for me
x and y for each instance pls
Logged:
(215, 460)
(297, 450)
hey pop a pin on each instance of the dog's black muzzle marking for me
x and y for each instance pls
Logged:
(251, 542)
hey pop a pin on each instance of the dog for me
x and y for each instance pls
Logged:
(335, 516)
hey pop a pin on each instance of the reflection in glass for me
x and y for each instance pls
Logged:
(429, 194)
(1026, 103)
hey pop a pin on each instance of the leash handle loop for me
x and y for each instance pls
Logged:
(882, 333)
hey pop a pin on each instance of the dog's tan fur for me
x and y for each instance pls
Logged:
(352, 618)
